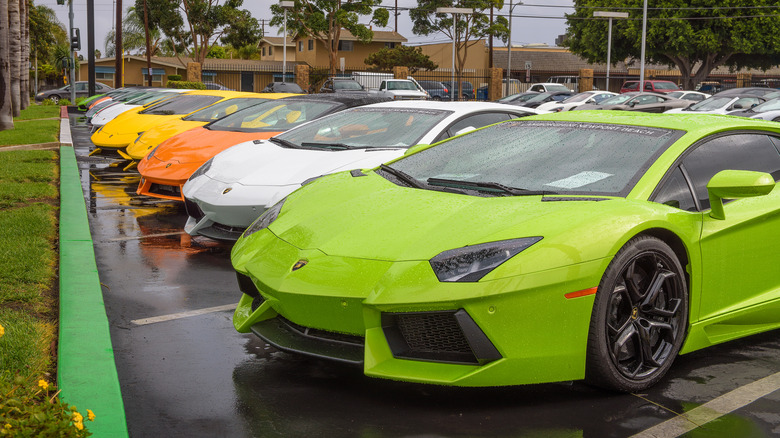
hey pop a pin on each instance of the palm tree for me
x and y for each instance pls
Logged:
(6, 116)
(15, 55)
(133, 35)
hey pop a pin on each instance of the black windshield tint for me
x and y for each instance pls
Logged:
(222, 109)
(181, 104)
(273, 116)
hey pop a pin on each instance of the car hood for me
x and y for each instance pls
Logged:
(264, 163)
(370, 217)
(200, 144)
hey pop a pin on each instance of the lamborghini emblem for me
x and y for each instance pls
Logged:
(168, 165)
(226, 191)
(299, 264)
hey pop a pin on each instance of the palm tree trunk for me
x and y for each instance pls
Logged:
(6, 117)
(15, 53)
(25, 67)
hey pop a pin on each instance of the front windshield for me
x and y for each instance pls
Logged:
(181, 104)
(367, 128)
(149, 97)
(617, 100)
(519, 97)
(579, 98)
(557, 88)
(711, 104)
(346, 85)
(666, 86)
(676, 94)
(601, 159)
(541, 97)
(222, 109)
(273, 116)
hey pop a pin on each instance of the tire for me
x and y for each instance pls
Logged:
(54, 98)
(436, 97)
(639, 318)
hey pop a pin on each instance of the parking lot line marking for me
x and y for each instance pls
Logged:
(713, 409)
(181, 315)
(122, 239)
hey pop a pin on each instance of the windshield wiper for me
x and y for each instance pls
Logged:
(336, 146)
(486, 186)
(282, 143)
(403, 176)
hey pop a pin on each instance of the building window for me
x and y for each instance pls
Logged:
(390, 45)
(311, 44)
(99, 75)
(270, 51)
(345, 46)
(263, 51)
(300, 46)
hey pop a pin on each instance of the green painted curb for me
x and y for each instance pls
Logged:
(86, 371)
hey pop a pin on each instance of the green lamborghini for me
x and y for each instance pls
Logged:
(575, 245)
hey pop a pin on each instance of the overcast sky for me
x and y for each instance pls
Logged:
(536, 21)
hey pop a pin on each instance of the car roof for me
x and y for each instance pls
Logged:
(753, 91)
(457, 107)
(344, 99)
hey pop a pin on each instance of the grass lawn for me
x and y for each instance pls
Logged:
(39, 112)
(29, 205)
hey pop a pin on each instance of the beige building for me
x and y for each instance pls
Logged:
(134, 70)
(441, 54)
(315, 53)
(270, 49)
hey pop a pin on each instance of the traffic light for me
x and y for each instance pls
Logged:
(75, 40)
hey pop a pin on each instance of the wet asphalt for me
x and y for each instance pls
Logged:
(195, 376)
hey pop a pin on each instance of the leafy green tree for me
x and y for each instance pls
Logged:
(46, 32)
(244, 31)
(402, 56)
(324, 20)
(469, 28)
(696, 36)
(217, 52)
(133, 35)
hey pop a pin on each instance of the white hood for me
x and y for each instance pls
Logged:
(267, 164)
(108, 114)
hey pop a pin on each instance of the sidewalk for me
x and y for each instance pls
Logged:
(86, 371)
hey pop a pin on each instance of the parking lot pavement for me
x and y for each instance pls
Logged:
(184, 371)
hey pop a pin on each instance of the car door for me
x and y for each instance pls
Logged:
(739, 255)
(649, 103)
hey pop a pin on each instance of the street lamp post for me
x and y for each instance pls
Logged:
(610, 15)
(644, 38)
(285, 4)
(454, 12)
(509, 47)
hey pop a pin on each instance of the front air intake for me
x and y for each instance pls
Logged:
(443, 336)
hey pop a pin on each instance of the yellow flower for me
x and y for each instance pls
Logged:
(79, 425)
(78, 420)
(44, 385)
(7, 426)
(90, 415)
(2, 331)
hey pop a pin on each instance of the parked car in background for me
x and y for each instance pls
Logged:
(548, 96)
(769, 110)
(401, 89)
(650, 85)
(549, 86)
(261, 173)
(723, 104)
(283, 87)
(436, 89)
(694, 96)
(342, 85)
(518, 98)
(570, 82)
(82, 90)
(586, 97)
(766, 93)
(710, 87)
(638, 101)
(467, 91)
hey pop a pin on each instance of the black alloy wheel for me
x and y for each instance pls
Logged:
(639, 318)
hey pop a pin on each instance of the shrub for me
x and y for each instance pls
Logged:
(64, 102)
(48, 102)
(187, 85)
(174, 77)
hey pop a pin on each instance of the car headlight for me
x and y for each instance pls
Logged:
(201, 170)
(265, 219)
(140, 134)
(471, 263)
(151, 154)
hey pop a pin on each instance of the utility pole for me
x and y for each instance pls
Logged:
(91, 45)
(118, 47)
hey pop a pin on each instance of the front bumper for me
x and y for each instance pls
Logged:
(514, 330)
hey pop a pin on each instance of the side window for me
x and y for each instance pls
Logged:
(537, 88)
(737, 152)
(474, 121)
(648, 86)
(675, 192)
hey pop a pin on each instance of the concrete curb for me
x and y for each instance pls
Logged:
(86, 371)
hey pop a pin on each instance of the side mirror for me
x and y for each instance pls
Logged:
(733, 184)
(416, 148)
(465, 130)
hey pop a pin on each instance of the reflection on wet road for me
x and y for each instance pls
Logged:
(184, 370)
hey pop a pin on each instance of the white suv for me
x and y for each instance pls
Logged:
(401, 89)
